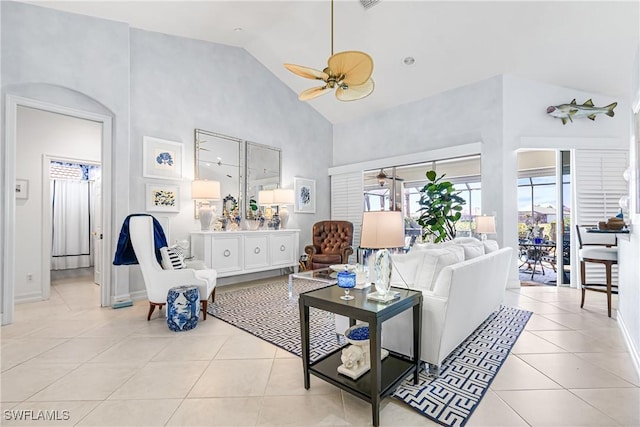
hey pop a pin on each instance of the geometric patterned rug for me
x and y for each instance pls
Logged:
(267, 312)
(467, 373)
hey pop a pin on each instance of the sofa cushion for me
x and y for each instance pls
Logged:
(404, 267)
(449, 245)
(472, 249)
(490, 246)
(434, 260)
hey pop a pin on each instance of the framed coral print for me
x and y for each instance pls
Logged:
(22, 189)
(162, 198)
(161, 159)
(305, 195)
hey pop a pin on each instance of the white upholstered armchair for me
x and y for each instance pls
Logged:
(159, 281)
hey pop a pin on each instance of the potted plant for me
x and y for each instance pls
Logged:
(441, 208)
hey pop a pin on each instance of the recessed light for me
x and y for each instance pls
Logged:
(409, 60)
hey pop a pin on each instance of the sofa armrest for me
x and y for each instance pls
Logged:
(311, 250)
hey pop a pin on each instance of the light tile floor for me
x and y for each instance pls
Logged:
(108, 367)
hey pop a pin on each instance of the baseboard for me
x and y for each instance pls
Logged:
(30, 297)
(635, 353)
(513, 284)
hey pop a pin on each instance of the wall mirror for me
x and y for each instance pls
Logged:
(217, 158)
(263, 170)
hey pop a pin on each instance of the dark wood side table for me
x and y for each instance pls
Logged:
(383, 378)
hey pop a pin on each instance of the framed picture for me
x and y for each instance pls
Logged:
(161, 159)
(22, 189)
(162, 198)
(305, 195)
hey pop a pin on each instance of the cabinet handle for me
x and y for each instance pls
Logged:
(226, 253)
(282, 248)
(256, 250)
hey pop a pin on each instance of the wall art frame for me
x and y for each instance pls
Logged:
(162, 198)
(161, 159)
(304, 190)
(22, 189)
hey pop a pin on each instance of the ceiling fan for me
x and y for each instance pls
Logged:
(348, 72)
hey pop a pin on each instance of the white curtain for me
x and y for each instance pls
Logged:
(71, 239)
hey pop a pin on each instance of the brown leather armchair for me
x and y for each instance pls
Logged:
(331, 244)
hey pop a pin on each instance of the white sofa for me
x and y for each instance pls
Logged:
(462, 283)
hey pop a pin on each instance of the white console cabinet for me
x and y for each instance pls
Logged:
(240, 252)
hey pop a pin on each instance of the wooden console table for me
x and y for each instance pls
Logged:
(383, 377)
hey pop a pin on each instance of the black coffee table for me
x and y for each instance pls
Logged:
(383, 377)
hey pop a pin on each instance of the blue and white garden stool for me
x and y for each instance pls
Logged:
(183, 308)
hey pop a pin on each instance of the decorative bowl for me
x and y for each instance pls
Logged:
(357, 334)
(342, 267)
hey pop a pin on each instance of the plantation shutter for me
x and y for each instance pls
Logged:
(598, 185)
(346, 203)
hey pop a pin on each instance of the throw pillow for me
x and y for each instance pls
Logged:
(172, 258)
(432, 264)
(472, 249)
(403, 268)
(490, 246)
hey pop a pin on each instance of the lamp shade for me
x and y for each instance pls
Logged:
(205, 190)
(282, 196)
(265, 197)
(381, 230)
(486, 224)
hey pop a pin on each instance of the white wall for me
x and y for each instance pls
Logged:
(629, 252)
(38, 133)
(179, 84)
(164, 86)
(505, 113)
(77, 62)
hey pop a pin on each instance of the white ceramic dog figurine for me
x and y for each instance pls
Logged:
(353, 357)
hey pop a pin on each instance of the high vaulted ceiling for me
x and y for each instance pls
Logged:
(586, 45)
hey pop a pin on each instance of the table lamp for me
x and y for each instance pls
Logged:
(281, 198)
(205, 192)
(485, 225)
(382, 230)
(265, 198)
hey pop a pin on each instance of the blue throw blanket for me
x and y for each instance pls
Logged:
(125, 255)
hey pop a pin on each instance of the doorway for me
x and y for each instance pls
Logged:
(544, 214)
(26, 225)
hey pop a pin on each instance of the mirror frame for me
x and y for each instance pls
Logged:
(244, 164)
(196, 162)
(247, 162)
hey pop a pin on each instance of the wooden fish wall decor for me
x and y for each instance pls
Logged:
(572, 111)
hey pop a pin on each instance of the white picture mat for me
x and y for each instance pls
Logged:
(162, 198)
(304, 195)
(161, 159)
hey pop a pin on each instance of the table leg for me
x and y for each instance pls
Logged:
(375, 334)
(304, 331)
(290, 286)
(417, 339)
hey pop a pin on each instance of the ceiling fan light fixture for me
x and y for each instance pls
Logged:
(348, 72)
(382, 178)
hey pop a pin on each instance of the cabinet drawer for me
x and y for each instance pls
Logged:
(256, 252)
(283, 249)
(227, 254)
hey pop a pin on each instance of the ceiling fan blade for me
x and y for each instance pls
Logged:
(306, 72)
(355, 92)
(314, 92)
(355, 66)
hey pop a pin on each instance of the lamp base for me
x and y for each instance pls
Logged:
(206, 215)
(382, 267)
(284, 217)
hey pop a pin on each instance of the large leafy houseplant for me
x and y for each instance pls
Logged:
(441, 208)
